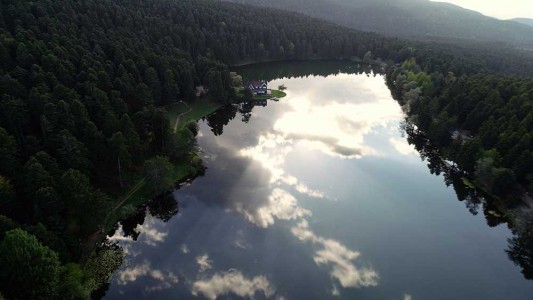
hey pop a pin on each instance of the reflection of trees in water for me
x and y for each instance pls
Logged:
(245, 109)
(217, 120)
(129, 224)
(163, 207)
(520, 249)
(102, 265)
(275, 70)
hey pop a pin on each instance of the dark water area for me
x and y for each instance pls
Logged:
(317, 196)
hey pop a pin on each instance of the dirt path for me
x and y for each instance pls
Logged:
(180, 115)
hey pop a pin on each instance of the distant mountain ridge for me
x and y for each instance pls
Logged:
(418, 19)
(525, 21)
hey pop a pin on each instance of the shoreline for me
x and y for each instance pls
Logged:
(184, 170)
(139, 196)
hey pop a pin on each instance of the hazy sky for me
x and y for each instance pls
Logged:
(501, 9)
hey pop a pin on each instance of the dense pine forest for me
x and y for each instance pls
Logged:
(84, 87)
(482, 122)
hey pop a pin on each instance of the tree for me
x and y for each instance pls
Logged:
(73, 284)
(132, 137)
(216, 86)
(158, 172)
(102, 264)
(8, 151)
(7, 195)
(504, 181)
(72, 153)
(13, 115)
(86, 206)
(236, 79)
(120, 150)
(369, 57)
(152, 80)
(6, 224)
(29, 269)
(170, 87)
(247, 95)
(35, 178)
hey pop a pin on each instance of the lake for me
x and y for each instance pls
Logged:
(317, 196)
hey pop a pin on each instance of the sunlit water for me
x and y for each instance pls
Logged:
(318, 196)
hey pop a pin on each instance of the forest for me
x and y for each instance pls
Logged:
(483, 123)
(411, 19)
(477, 131)
(84, 88)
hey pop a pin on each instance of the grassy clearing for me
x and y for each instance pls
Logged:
(275, 94)
(278, 94)
(182, 169)
(199, 109)
(173, 111)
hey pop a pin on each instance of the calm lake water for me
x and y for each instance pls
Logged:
(317, 196)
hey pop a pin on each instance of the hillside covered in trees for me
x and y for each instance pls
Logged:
(418, 19)
(525, 21)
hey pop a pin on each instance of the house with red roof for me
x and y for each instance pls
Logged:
(258, 87)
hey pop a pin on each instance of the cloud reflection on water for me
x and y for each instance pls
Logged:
(204, 263)
(341, 259)
(280, 204)
(271, 152)
(336, 125)
(255, 184)
(164, 279)
(232, 282)
(148, 233)
(403, 147)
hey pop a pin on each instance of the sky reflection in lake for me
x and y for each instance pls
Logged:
(317, 197)
(334, 114)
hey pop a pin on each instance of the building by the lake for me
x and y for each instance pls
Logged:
(258, 87)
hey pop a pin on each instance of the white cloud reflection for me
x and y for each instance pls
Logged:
(280, 204)
(271, 151)
(339, 258)
(232, 282)
(126, 242)
(152, 236)
(204, 262)
(148, 233)
(336, 125)
(403, 147)
(322, 119)
(164, 279)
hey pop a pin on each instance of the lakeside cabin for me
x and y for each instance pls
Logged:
(258, 88)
